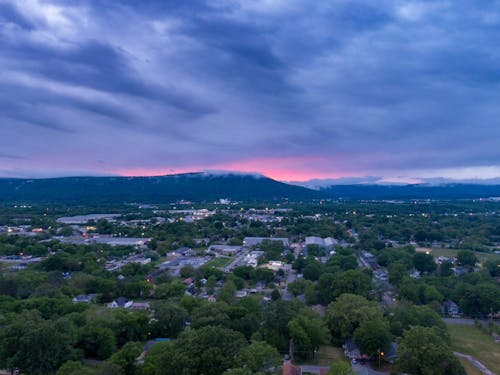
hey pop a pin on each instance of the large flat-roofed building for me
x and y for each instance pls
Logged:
(253, 241)
(84, 219)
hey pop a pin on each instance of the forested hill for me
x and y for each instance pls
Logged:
(209, 187)
(162, 189)
(421, 191)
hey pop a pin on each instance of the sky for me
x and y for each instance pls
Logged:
(295, 90)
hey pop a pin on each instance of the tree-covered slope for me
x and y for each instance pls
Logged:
(192, 186)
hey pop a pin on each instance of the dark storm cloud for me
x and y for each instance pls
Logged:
(349, 87)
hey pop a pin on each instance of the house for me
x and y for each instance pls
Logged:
(120, 302)
(392, 353)
(351, 350)
(84, 298)
(274, 265)
(450, 308)
(241, 293)
(459, 271)
(140, 306)
(183, 251)
(415, 274)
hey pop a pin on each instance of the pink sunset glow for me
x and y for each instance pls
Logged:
(282, 169)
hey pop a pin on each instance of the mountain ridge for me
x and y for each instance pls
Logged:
(203, 186)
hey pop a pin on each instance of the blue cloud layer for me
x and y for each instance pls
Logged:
(358, 89)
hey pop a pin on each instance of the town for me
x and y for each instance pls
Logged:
(325, 287)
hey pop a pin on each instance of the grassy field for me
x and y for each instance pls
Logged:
(469, 367)
(325, 356)
(437, 251)
(219, 262)
(471, 340)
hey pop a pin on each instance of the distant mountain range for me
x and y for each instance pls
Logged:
(211, 187)
(161, 189)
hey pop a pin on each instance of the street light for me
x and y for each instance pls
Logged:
(379, 355)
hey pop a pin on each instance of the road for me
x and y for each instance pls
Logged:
(465, 321)
(475, 362)
(365, 370)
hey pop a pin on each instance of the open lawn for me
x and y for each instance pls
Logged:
(469, 367)
(471, 340)
(219, 262)
(437, 251)
(325, 356)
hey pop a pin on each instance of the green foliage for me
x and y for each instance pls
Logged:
(75, 368)
(347, 313)
(422, 351)
(424, 262)
(174, 289)
(466, 258)
(407, 315)
(258, 356)
(308, 332)
(330, 286)
(228, 292)
(25, 344)
(168, 319)
(208, 350)
(97, 342)
(373, 336)
(126, 357)
(341, 368)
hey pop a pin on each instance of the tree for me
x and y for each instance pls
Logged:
(397, 272)
(75, 368)
(175, 289)
(187, 271)
(330, 286)
(275, 295)
(208, 351)
(406, 315)
(275, 318)
(422, 351)
(347, 313)
(312, 271)
(258, 356)
(241, 371)
(97, 342)
(424, 262)
(227, 292)
(341, 368)
(210, 314)
(35, 345)
(308, 332)
(373, 336)
(168, 319)
(446, 269)
(466, 258)
(126, 357)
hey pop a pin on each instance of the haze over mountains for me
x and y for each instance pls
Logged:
(213, 186)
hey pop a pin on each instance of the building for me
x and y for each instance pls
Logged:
(274, 265)
(450, 308)
(84, 298)
(120, 302)
(326, 243)
(84, 219)
(351, 350)
(254, 241)
(225, 250)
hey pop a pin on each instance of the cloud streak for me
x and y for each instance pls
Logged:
(294, 90)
